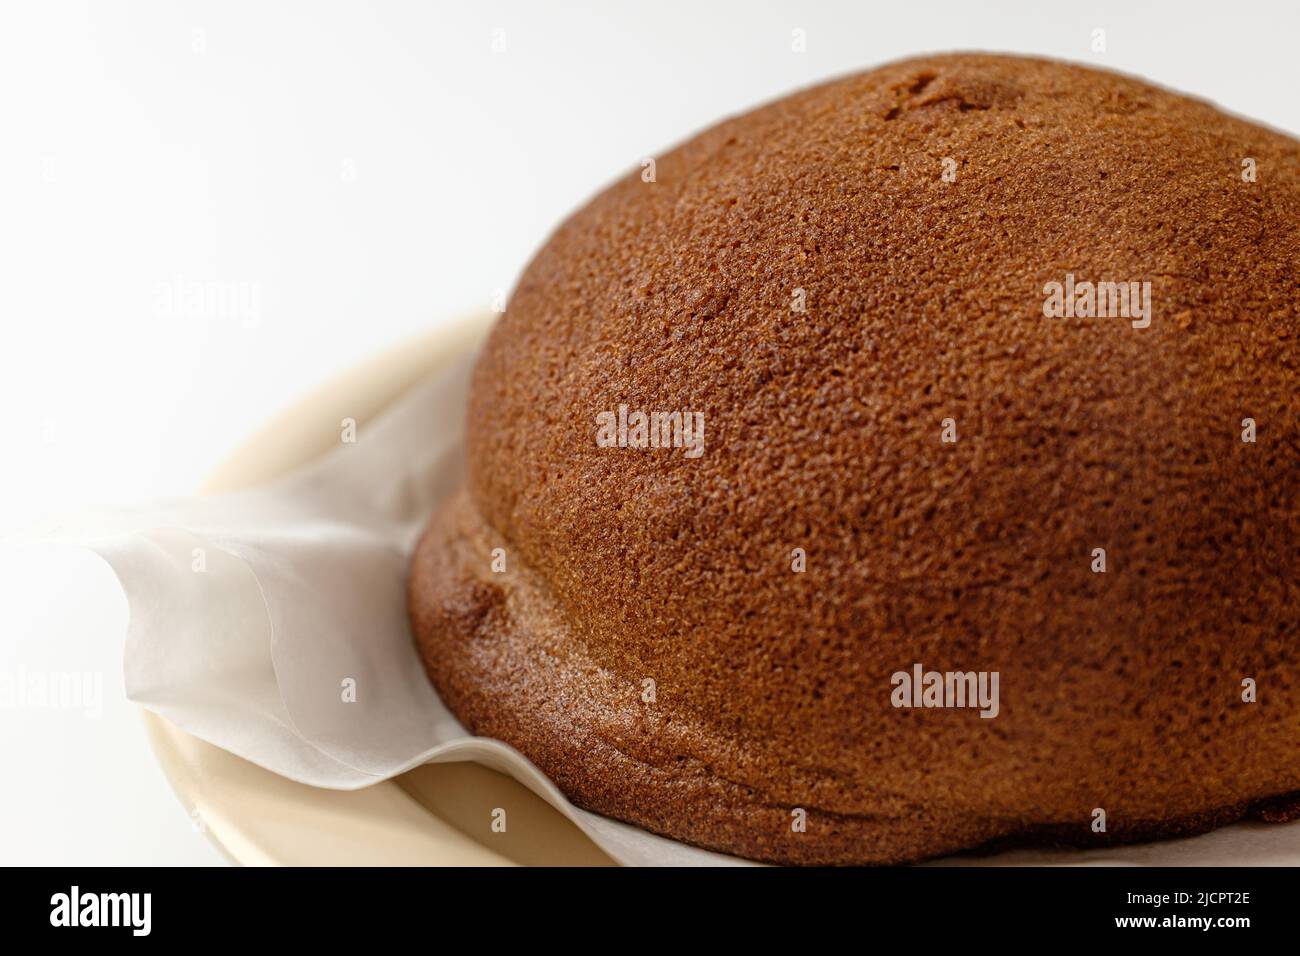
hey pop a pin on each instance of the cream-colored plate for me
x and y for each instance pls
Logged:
(435, 814)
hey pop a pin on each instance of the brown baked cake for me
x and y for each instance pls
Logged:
(905, 466)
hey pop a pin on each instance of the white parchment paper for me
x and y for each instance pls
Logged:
(248, 610)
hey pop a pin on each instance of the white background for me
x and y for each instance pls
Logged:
(367, 170)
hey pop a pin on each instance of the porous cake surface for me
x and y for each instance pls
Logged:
(969, 365)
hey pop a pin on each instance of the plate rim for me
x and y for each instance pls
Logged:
(194, 768)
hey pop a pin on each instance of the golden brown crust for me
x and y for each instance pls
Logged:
(1119, 691)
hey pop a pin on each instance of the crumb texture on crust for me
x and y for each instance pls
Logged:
(915, 214)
